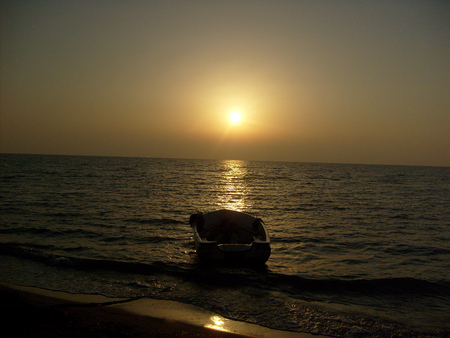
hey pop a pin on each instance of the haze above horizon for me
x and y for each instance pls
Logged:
(328, 82)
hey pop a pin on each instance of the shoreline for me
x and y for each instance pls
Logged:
(38, 312)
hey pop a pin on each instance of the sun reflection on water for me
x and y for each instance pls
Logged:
(233, 189)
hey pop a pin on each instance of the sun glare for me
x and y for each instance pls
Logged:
(235, 117)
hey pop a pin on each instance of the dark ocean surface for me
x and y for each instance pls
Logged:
(357, 250)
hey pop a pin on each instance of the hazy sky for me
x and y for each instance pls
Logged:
(315, 81)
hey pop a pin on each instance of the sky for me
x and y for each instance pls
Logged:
(315, 81)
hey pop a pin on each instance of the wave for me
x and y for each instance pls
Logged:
(242, 276)
(51, 233)
(37, 255)
(160, 221)
(426, 251)
(85, 233)
(138, 240)
(27, 230)
(366, 287)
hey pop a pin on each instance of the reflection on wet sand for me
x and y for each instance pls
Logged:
(218, 323)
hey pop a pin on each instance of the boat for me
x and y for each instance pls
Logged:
(228, 236)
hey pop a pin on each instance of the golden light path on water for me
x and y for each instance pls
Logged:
(232, 186)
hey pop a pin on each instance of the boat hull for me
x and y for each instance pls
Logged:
(257, 254)
(243, 250)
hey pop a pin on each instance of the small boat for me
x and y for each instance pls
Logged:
(230, 236)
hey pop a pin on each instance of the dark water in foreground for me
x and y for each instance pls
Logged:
(357, 250)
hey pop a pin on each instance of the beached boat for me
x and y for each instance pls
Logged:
(230, 236)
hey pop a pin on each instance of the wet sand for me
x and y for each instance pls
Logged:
(32, 312)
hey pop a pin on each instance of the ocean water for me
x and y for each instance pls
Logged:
(357, 250)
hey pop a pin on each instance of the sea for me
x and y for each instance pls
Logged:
(357, 250)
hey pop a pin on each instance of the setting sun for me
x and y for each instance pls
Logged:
(235, 117)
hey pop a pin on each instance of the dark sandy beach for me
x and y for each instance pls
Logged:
(32, 315)
(32, 312)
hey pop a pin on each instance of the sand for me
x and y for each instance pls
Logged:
(33, 312)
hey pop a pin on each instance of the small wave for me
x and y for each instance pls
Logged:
(49, 232)
(296, 285)
(12, 177)
(137, 240)
(154, 239)
(297, 239)
(62, 214)
(401, 216)
(422, 251)
(87, 263)
(161, 221)
(111, 239)
(286, 239)
(229, 277)
(19, 250)
(367, 287)
(34, 231)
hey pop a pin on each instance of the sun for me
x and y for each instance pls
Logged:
(235, 117)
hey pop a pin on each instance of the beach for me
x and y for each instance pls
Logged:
(33, 312)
